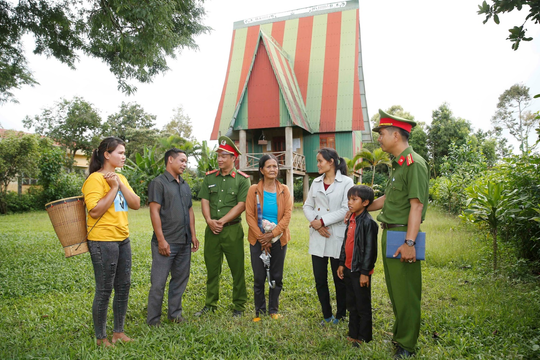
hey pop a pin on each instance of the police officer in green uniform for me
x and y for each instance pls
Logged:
(404, 207)
(223, 195)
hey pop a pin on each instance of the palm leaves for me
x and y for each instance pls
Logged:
(365, 158)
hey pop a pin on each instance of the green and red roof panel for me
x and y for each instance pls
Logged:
(296, 68)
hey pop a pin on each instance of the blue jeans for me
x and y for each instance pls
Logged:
(112, 269)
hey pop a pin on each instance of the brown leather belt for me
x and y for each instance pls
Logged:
(232, 222)
(390, 226)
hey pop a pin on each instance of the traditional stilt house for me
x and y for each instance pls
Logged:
(294, 84)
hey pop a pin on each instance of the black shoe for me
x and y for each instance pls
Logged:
(237, 313)
(401, 353)
(204, 310)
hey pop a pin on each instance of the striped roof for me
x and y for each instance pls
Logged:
(272, 96)
(300, 67)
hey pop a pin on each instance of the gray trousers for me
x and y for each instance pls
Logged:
(178, 265)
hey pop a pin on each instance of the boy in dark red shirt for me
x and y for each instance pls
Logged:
(356, 263)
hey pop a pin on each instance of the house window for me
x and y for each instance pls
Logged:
(327, 140)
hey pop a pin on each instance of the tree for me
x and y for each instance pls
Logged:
(491, 204)
(133, 125)
(371, 159)
(444, 130)
(130, 116)
(517, 33)
(18, 154)
(72, 124)
(418, 140)
(180, 125)
(134, 38)
(494, 146)
(512, 116)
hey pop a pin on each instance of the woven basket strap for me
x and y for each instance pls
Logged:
(88, 233)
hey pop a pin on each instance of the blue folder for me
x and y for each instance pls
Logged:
(394, 239)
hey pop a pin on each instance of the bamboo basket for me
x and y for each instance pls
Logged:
(68, 218)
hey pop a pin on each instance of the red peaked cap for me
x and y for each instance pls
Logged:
(391, 120)
(227, 145)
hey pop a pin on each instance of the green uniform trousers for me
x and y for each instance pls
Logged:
(404, 283)
(229, 242)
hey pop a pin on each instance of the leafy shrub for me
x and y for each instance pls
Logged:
(25, 202)
(298, 189)
(379, 183)
(459, 169)
(518, 229)
(55, 182)
(194, 183)
(523, 173)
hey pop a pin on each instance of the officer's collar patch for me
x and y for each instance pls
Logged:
(233, 174)
(401, 160)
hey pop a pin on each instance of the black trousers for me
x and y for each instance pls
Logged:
(277, 260)
(320, 272)
(359, 306)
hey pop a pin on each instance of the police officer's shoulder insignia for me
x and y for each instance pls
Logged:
(243, 174)
(401, 160)
(409, 159)
(211, 172)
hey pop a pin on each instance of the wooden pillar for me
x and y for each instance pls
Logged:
(243, 150)
(289, 158)
(306, 186)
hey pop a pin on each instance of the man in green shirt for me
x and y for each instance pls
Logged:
(223, 195)
(404, 207)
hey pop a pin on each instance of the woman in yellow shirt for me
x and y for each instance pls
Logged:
(108, 196)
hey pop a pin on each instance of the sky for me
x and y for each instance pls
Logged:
(417, 54)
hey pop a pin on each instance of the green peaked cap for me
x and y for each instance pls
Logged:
(227, 145)
(395, 121)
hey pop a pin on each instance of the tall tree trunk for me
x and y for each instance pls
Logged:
(372, 175)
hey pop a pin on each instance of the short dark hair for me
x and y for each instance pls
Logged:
(364, 192)
(174, 153)
(264, 159)
(404, 134)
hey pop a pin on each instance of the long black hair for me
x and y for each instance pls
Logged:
(339, 163)
(263, 161)
(109, 144)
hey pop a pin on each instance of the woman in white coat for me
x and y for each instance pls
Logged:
(325, 209)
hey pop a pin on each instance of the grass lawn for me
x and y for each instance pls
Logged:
(467, 313)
